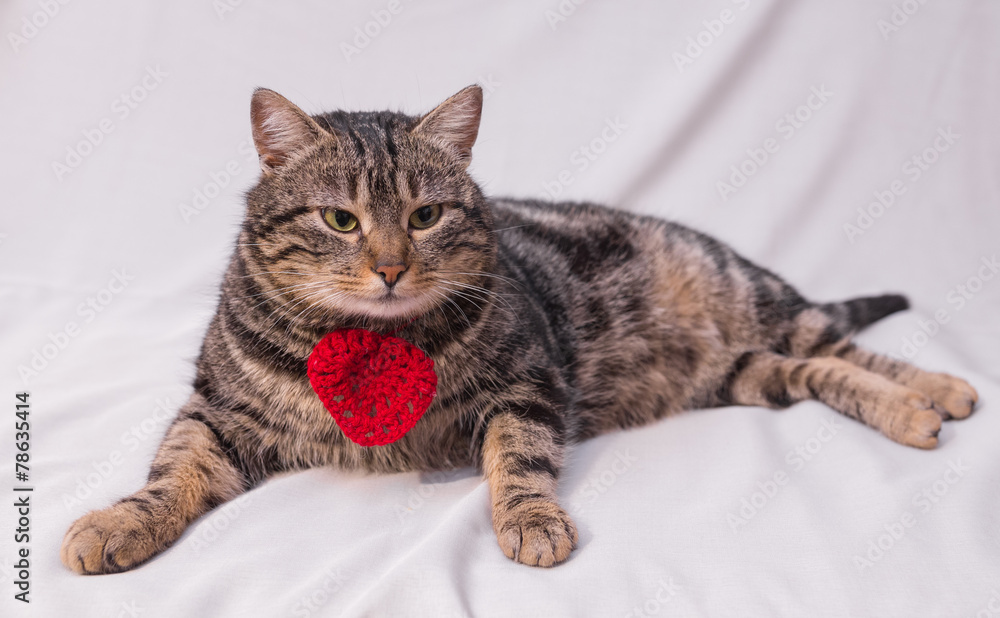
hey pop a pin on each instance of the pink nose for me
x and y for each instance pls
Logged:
(390, 272)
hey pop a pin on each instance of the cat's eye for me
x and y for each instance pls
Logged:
(340, 220)
(423, 218)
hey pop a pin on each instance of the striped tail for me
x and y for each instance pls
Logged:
(857, 313)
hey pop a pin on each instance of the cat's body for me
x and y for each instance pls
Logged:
(616, 354)
(547, 323)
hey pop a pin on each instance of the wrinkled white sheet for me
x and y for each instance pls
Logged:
(646, 105)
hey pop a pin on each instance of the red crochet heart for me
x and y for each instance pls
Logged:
(375, 386)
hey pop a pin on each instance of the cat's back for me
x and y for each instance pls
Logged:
(640, 307)
(574, 241)
(605, 248)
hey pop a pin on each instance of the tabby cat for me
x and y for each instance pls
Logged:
(547, 323)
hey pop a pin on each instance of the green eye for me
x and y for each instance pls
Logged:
(423, 218)
(340, 220)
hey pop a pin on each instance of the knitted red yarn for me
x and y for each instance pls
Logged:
(375, 386)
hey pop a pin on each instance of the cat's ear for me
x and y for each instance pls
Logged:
(455, 123)
(280, 129)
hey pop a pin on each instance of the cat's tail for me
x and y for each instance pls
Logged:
(827, 327)
(850, 316)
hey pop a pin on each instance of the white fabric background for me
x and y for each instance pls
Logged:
(654, 524)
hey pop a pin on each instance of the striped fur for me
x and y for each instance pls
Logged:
(548, 324)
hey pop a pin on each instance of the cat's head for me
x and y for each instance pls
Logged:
(365, 215)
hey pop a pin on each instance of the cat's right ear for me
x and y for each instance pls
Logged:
(280, 129)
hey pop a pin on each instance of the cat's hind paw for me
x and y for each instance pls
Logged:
(955, 395)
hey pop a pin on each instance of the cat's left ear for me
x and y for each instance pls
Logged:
(455, 123)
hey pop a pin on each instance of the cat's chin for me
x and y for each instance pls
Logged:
(387, 307)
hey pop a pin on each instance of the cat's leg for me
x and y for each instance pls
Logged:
(521, 459)
(904, 414)
(820, 331)
(190, 475)
(954, 395)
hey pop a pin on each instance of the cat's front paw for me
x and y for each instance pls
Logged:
(536, 533)
(115, 539)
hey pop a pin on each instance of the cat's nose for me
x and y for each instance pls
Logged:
(390, 272)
